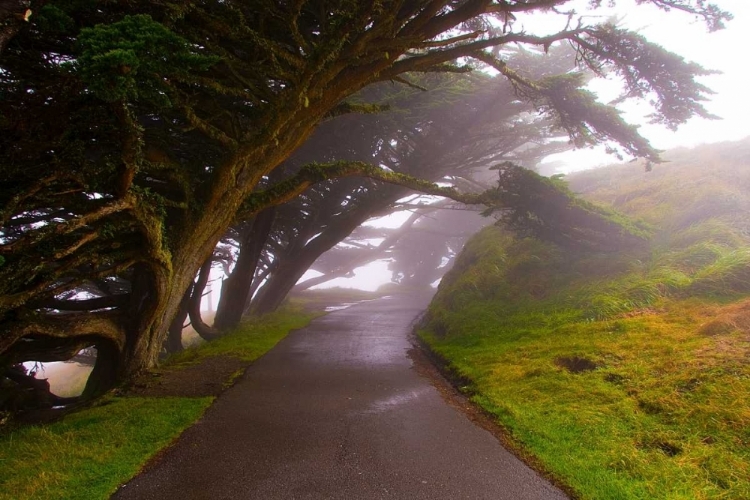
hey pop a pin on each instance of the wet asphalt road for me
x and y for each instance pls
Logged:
(336, 411)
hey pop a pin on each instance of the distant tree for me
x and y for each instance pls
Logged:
(132, 134)
(461, 126)
(426, 252)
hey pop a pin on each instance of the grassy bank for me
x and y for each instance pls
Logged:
(627, 376)
(88, 454)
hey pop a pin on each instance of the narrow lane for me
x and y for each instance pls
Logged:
(336, 411)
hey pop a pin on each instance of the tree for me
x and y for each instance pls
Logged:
(133, 133)
(461, 126)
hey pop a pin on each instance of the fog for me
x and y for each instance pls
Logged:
(716, 51)
(689, 38)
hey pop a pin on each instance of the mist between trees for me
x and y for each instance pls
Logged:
(142, 143)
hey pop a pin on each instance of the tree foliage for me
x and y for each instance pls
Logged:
(132, 134)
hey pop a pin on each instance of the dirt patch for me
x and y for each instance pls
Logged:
(614, 378)
(210, 377)
(668, 448)
(717, 327)
(575, 364)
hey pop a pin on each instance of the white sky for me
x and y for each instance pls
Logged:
(680, 33)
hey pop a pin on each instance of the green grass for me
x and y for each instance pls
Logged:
(665, 413)
(251, 340)
(660, 385)
(88, 454)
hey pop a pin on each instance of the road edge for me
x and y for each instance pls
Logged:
(456, 392)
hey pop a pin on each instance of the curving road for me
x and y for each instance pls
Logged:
(337, 411)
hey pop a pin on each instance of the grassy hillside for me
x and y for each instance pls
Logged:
(626, 375)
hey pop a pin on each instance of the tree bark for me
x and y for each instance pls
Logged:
(235, 290)
(104, 376)
(174, 337)
(155, 298)
(194, 304)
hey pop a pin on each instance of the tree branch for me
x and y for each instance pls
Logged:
(437, 57)
(118, 300)
(106, 325)
(67, 227)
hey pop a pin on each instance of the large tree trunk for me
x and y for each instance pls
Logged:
(235, 290)
(273, 293)
(150, 299)
(104, 375)
(162, 287)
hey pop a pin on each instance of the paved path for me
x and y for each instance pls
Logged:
(337, 411)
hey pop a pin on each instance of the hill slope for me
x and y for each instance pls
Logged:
(626, 375)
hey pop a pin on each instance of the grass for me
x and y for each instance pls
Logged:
(88, 454)
(627, 376)
(665, 414)
(251, 340)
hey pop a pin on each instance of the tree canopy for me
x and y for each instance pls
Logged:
(134, 134)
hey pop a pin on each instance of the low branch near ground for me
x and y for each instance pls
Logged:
(119, 300)
(59, 335)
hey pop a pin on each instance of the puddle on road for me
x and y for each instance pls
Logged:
(395, 401)
(347, 305)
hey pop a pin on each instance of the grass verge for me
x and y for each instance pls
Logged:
(626, 376)
(250, 340)
(88, 454)
(641, 407)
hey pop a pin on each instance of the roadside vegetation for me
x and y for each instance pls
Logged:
(626, 374)
(255, 337)
(86, 455)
